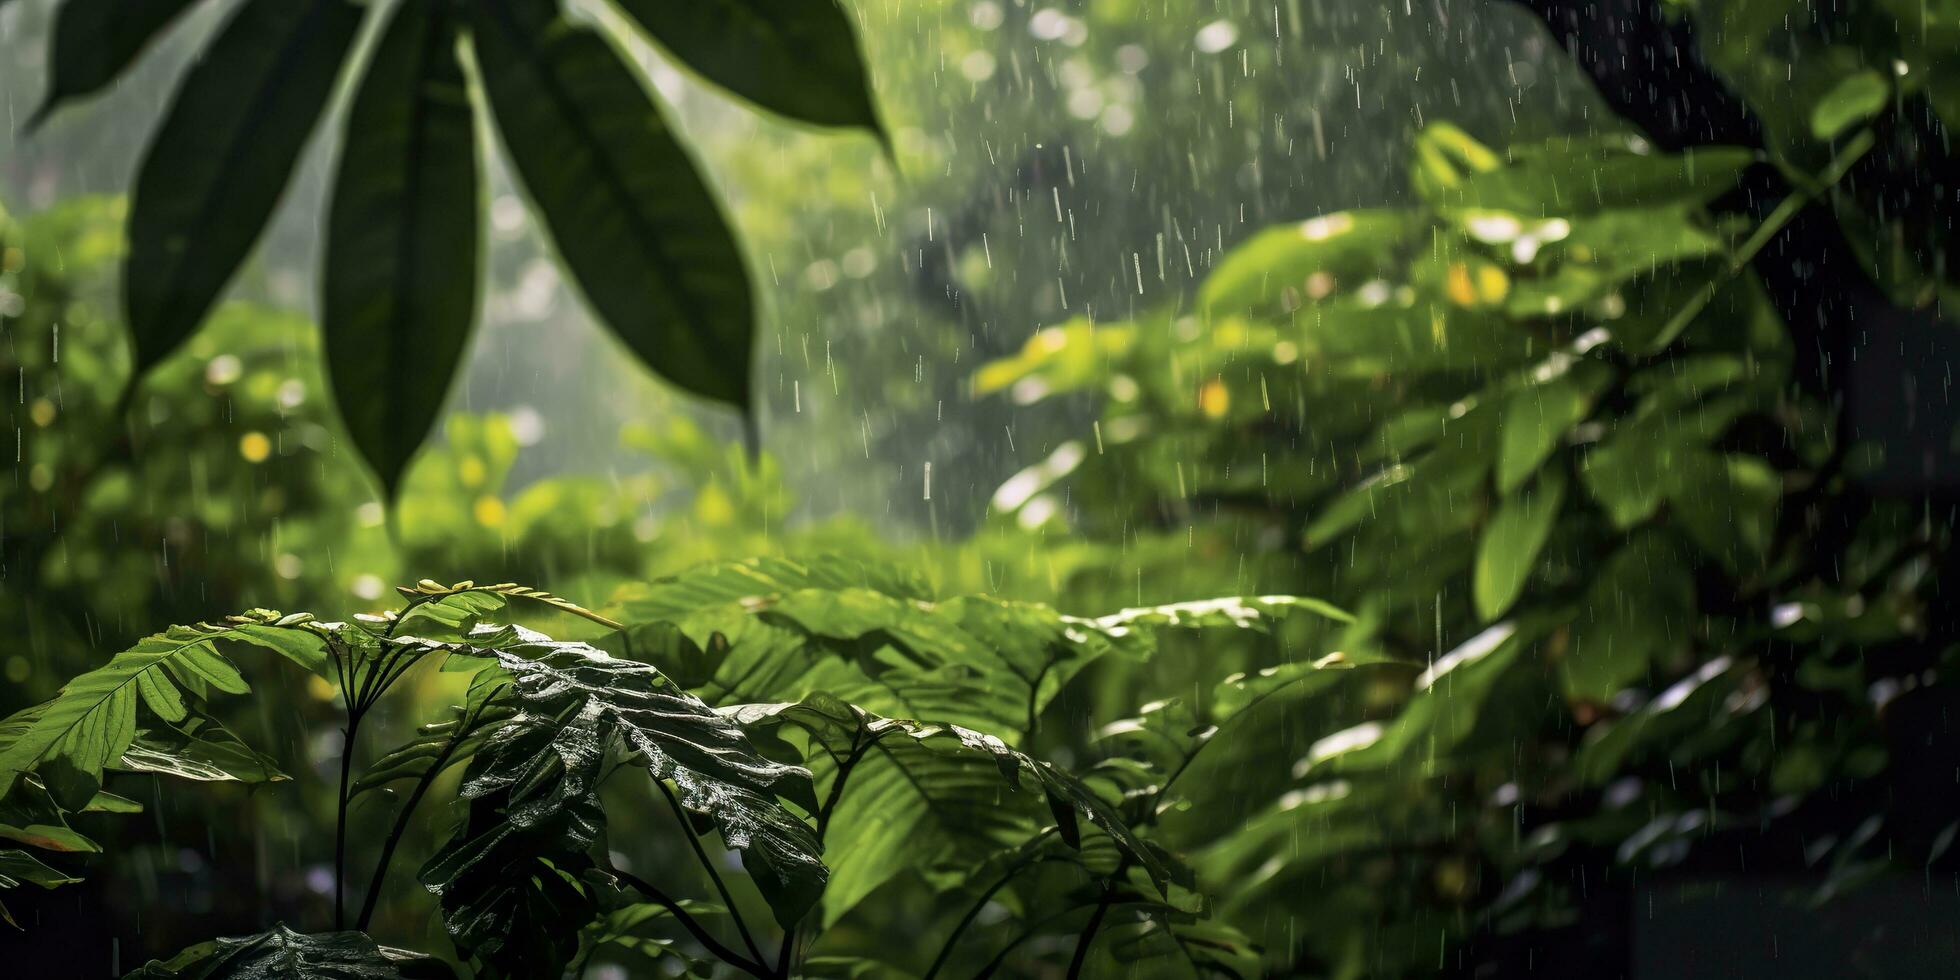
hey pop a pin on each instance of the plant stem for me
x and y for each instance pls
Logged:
(1095, 922)
(400, 828)
(701, 854)
(340, 821)
(1785, 212)
(694, 927)
(946, 950)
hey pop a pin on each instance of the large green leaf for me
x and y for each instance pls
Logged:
(628, 212)
(798, 58)
(575, 702)
(220, 161)
(919, 794)
(400, 289)
(282, 954)
(95, 40)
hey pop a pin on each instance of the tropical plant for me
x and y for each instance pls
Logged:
(812, 768)
(1539, 432)
(630, 215)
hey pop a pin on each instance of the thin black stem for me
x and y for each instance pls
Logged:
(1095, 922)
(946, 950)
(701, 854)
(694, 927)
(340, 822)
(400, 829)
(836, 793)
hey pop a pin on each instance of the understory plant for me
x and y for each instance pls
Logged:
(823, 729)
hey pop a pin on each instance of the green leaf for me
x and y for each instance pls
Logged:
(1851, 101)
(1570, 177)
(627, 210)
(1276, 270)
(220, 161)
(400, 289)
(96, 40)
(439, 745)
(920, 793)
(798, 58)
(1509, 548)
(575, 702)
(92, 723)
(18, 867)
(1538, 415)
(28, 815)
(198, 749)
(1637, 611)
(287, 955)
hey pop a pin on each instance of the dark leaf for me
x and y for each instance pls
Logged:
(798, 58)
(96, 40)
(630, 215)
(400, 288)
(218, 164)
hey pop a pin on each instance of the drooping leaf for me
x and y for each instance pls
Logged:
(18, 867)
(1638, 611)
(798, 58)
(220, 160)
(199, 749)
(400, 286)
(627, 210)
(96, 40)
(92, 723)
(1510, 544)
(282, 954)
(28, 815)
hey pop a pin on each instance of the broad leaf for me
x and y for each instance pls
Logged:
(798, 58)
(400, 288)
(544, 763)
(96, 40)
(220, 161)
(287, 955)
(627, 210)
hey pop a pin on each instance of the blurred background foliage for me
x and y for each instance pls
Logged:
(1149, 302)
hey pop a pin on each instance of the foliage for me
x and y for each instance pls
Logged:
(825, 800)
(1542, 430)
(630, 215)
